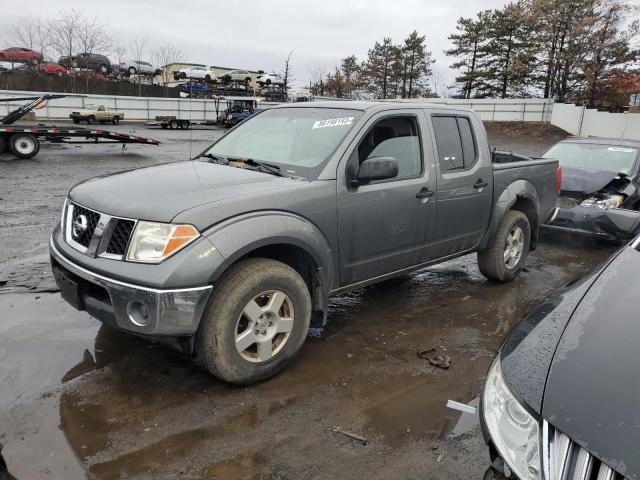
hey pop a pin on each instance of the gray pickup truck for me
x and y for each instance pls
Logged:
(232, 256)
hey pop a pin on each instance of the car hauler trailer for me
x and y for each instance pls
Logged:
(24, 140)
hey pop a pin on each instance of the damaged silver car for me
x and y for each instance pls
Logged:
(599, 194)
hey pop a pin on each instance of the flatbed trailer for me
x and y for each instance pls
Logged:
(24, 140)
(171, 122)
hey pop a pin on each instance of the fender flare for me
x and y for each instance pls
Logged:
(512, 193)
(236, 237)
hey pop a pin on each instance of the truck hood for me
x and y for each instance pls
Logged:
(593, 388)
(159, 193)
(585, 181)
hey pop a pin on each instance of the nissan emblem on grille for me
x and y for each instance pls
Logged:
(79, 226)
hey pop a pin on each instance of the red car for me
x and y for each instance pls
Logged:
(19, 54)
(52, 68)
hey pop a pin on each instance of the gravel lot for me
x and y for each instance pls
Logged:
(79, 400)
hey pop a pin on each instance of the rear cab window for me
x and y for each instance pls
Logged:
(455, 142)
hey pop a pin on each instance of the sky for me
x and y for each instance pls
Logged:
(258, 35)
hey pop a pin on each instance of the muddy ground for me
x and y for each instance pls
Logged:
(80, 400)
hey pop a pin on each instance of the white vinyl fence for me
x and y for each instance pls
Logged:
(134, 108)
(145, 109)
(585, 121)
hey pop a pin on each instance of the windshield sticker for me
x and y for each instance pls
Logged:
(333, 122)
(620, 149)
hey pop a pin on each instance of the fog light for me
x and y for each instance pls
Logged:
(138, 313)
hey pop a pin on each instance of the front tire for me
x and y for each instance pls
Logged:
(91, 120)
(255, 322)
(115, 120)
(507, 253)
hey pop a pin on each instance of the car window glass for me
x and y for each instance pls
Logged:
(448, 143)
(101, 108)
(395, 137)
(469, 151)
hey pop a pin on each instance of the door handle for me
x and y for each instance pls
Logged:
(480, 184)
(425, 193)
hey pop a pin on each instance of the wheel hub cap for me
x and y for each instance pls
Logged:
(264, 326)
(514, 247)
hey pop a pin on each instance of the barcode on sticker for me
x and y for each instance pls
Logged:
(333, 122)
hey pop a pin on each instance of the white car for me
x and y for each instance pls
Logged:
(202, 73)
(237, 76)
(270, 78)
(133, 67)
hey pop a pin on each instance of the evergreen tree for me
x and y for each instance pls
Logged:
(468, 43)
(379, 72)
(415, 66)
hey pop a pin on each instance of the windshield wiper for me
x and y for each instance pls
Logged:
(263, 167)
(216, 158)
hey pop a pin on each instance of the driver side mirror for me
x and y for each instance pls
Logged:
(376, 168)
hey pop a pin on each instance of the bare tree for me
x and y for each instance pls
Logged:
(30, 32)
(120, 55)
(137, 51)
(318, 74)
(163, 58)
(63, 33)
(287, 73)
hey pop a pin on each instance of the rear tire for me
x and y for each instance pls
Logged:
(132, 71)
(507, 253)
(254, 283)
(24, 145)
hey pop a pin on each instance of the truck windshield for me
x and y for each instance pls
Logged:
(594, 157)
(299, 140)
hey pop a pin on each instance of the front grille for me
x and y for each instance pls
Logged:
(83, 224)
(120, 237)
(567, 202)
(565, 459)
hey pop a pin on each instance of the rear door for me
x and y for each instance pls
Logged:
(381, 225)
(465, 184)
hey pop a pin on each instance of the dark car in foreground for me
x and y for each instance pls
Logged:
(231, 257)
(600, 187)
(562, 399)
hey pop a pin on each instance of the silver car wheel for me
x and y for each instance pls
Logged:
(514, 247)
(264, 326)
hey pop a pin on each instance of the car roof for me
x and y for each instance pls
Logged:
(374, 105)
(619, 142)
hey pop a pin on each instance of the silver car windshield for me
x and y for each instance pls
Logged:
(299, 140)
(594, 157)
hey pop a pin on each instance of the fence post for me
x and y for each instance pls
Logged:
(581, 121)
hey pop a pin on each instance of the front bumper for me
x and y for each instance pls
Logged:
(615, 223)
(138, 309)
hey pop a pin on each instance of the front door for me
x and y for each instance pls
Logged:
(379, 224)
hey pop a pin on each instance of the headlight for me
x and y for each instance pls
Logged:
(515, 433)
(614, 201)
(153, 242)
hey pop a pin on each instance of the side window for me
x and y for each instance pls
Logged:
(101, 108)
(449, 143)
(469, 151)
(395, 137)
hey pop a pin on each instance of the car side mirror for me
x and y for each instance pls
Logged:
(376, 168)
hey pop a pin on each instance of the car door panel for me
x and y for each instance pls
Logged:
(465, 194)
(379, 225)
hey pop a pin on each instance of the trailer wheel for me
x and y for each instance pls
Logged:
(91, 120)
(24, 145)
(115, 120)
(173, 124)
